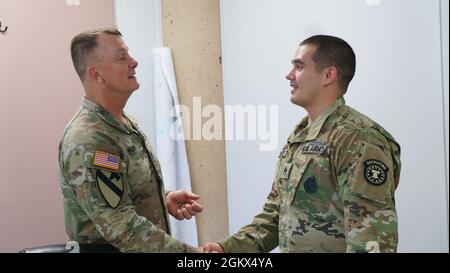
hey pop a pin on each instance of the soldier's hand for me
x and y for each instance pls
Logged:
(182, 204)
(213, 248)
(199, 250)
(194, 249)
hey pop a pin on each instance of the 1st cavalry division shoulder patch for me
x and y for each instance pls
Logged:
(111, 187)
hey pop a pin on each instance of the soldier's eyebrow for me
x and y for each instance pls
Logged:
(297, 62)
(122, 50)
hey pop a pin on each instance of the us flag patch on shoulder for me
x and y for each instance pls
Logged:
(105, 160)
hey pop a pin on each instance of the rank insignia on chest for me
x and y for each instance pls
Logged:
(131, 149)
(310, 185)
(284, 152)
(314, 147)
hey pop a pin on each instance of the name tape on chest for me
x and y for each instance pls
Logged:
(314, 147)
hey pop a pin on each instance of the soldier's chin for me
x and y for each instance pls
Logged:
(299, 102)
(136, 87)
(295, 100)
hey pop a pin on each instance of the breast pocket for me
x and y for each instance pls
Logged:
(296, 175)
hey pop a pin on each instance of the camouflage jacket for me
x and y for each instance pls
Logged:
(333, 190)
(112, 185)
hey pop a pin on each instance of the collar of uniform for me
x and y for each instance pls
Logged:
(299, 134)
(318, 123)
(132, 124)
(105, 115)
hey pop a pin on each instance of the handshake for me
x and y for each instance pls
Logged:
(182, 205)
(210, 248)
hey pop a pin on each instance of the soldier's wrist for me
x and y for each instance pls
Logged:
(191, 249)
(221, 246)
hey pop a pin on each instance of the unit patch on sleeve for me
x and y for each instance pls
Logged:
(111, 187)
(375, 172)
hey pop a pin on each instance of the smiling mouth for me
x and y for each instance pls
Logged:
(293, 89)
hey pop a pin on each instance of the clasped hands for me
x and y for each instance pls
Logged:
(183, 205)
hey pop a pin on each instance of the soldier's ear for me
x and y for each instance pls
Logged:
(329, 75)
(94, 75)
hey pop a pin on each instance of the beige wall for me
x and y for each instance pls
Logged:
(39, 93)
(192, 29)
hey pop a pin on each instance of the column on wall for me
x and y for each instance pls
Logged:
(192, 29)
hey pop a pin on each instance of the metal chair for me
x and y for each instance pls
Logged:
(72, 247)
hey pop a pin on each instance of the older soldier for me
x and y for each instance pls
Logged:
(335, 178)
(110, 178)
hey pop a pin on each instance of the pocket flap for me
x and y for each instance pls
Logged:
(297, 175)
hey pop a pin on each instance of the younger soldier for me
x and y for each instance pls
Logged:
(335, 178)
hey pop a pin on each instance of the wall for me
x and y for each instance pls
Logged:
(398, 83)
(39, 93)
(444, 51)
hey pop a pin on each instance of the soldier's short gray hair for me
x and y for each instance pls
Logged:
(83, 46)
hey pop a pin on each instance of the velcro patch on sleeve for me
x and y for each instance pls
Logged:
(105, 160)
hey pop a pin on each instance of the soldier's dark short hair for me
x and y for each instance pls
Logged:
(83, 46)
(333, 51)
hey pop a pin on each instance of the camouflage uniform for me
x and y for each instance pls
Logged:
(112, 185)
(333, 190)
